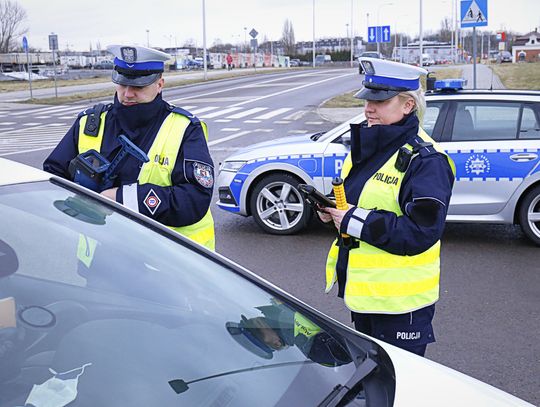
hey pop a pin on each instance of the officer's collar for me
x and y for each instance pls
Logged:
(367, 142)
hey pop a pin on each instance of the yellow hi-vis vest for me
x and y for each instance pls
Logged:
(166, 144)
(377, 281)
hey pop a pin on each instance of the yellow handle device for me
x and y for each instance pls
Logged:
(339, 194)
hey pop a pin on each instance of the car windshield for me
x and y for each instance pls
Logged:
(118, 313)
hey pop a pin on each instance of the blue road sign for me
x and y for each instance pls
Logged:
(379, 33)
(474, 13)
(385, 33)
(25, 44)
(372, 34)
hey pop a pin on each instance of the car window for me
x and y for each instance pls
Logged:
(430, 116)
(530, 127)
(485, 121)
(86, 290)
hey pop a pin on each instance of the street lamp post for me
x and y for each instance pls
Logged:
(148, 38)
(378, 21)
(245, 45)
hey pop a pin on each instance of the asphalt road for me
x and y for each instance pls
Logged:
(487, 320)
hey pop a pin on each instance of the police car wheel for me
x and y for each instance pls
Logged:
(277, 206)
(529, 215)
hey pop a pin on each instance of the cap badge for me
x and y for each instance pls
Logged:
(129, 54)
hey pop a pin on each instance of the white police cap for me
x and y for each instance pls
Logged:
(136, 65)
(385, 79)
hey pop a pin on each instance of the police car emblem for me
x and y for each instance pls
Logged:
(477, 164)
(152, 201)
(129, 54)
(203, 174)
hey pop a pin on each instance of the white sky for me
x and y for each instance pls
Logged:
(171, 23)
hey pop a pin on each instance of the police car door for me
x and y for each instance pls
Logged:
(495, 145)
(338, 145)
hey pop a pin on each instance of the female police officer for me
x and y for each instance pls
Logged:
(399, 183)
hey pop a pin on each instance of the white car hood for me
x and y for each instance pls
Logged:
(422, 382)
(12, 172)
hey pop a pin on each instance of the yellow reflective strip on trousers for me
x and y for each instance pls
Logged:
(86, 142)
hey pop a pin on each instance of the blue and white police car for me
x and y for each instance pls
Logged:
(493, 136)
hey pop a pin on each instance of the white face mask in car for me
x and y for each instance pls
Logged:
(56, 392)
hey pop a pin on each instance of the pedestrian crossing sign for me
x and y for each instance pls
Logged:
(474, 13)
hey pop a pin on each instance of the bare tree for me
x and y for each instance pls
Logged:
(287, 39)
(11, 17)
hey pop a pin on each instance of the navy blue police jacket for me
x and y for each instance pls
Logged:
(189, 197)
(424, 194)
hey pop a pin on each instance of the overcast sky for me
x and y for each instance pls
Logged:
(170, 23)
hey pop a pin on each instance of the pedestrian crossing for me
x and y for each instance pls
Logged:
(30, 132)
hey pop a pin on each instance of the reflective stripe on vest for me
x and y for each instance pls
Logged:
(165, 148)
(378, 281)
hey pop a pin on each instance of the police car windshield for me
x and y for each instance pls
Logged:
(83, 285)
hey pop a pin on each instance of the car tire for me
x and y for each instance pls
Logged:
(277, 206)
(529, 215)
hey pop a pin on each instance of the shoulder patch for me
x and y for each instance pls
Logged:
(203, 174)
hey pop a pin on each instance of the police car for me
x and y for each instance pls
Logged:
(492, 136)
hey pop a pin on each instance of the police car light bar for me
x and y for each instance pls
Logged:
(450, 84)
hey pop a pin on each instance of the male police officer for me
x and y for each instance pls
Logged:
(175, 186)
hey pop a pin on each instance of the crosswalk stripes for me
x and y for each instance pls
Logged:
(31, 139)
(214, 113)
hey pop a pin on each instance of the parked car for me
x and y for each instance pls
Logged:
(504, 56)
(294, 63)
(492, 136)
(427, 60)
(104, 65)
(101, 306)
(367, 54)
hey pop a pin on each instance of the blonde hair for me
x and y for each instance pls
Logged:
(419, 101)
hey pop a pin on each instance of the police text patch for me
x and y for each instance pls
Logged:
(203, 174)
(152, 201)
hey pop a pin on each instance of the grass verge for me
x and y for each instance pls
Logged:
(519, 76)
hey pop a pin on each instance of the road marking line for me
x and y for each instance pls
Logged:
(230, 129)
(273, 113)
(252, 121)
(297, 131)
(247, 112)
(231, 137)
(219, 113)
(282, 122)
(296, 115)
(204, 109)
(222, 121)
(31, 124)
(316, 123)
(6, 123)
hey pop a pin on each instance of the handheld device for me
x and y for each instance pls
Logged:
(315, 197)
(93, 171)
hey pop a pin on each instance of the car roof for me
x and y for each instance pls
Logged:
(12, 172)
(485, 92)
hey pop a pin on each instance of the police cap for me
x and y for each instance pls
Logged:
(385, 79)
(136, 65)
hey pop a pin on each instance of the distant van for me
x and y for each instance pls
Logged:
(427, 60)
(322, 59)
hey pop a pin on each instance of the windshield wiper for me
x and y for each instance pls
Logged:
(342, 394)
(316, 136)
